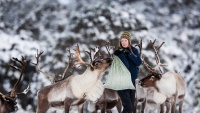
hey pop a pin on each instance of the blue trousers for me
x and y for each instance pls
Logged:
(127, 96)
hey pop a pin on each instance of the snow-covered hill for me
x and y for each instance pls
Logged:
(54, 25)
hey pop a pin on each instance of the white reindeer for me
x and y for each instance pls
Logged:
(140, 96)
(75, 89)
(170, 84)
(149, 97)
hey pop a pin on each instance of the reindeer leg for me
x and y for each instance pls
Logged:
(119, 106)
(43, 106)
(66, 107)
(167, 107)
(108, 111)
(103, 110)
(135, 106)
(173, 110)
(162, 108)
(146, 110)
(143, 106)
(95, 111)
(80, 108)
(180, 106)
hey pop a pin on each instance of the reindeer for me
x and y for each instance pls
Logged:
(140, 96)
(170, 84)
(146, 96)
(8, 102)
(74, 90)
(109, 99)
(106, 102)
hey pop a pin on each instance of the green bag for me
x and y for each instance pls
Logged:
(119, 77)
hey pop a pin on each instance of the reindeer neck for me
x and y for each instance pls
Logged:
(90, 73)
(166, 84)
(82, 84)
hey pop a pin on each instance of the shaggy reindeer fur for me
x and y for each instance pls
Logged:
(75, 89)
(153, 100)
(171, 84)
(106, 102)
(85, 85)
(150, 98)
(140, 96)
(167, 84)
(92, 86)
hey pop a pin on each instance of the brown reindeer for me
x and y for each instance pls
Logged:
(169, 85)
(74, 90)
(146, 95)
(109, 99)
(106, 102)
(8, 102)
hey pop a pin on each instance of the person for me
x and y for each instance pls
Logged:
(131, 59)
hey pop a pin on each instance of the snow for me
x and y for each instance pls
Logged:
(87, 22)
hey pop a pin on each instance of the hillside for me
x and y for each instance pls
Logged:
(54, 25)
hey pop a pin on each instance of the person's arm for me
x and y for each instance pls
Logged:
(122, 57)
(136, 60)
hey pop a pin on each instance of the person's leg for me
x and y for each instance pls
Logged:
(126, 100)
(132, 96)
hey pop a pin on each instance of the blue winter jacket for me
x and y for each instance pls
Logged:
(130, 61)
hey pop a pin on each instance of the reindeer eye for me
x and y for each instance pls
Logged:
(96, 63)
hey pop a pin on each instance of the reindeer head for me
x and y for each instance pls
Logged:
(155, 72)
(8, 102)
(150, 79)
(96, 61)
(101, 64)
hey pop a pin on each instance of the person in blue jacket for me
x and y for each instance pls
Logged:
(131, 59)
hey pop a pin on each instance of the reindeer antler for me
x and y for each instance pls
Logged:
(152, 69)
(68, 65)
(142, 57)
(97, 53)
(140, 46)
(37, 56)
(78, 57)
(159, 64)
(94, 54)
(8, 102)
(23, 63)
(108, 48)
